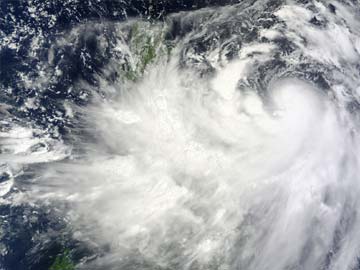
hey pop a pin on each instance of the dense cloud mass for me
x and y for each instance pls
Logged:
(180, 135)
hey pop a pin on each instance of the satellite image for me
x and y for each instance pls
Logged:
(179, 135)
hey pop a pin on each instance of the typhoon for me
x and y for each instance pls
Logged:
(180, 135)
